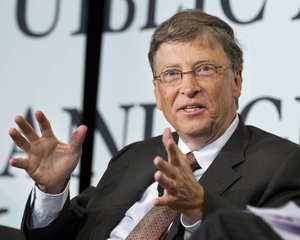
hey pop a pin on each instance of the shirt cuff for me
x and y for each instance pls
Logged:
(47, 206)
(188, 224)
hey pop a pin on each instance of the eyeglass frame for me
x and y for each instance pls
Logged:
(214, 67)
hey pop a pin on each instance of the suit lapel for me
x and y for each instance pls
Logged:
(139, 175)
(221, 173)
(217, 178)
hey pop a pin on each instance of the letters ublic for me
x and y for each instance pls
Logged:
(130, 8)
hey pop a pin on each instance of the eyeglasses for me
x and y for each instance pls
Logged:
(173, 77)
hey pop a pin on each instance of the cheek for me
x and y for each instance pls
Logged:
(219, 96)
(167, 102)
(158, 96)
(167, 99)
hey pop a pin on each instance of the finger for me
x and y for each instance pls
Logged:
(19, 140)
(166, 183)
(19, 163)
(44, 124)
(167, 137)
(165, 200)
(165, 167)
(171, 147)
(26, 129)
(78, 138)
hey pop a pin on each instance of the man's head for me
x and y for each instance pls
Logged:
(192, 24)
(197, 66)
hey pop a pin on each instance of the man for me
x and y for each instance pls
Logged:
(197, 67)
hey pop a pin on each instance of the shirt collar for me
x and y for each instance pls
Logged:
(207, 154)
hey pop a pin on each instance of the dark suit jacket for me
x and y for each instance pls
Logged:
(8, 233)
(254, 167)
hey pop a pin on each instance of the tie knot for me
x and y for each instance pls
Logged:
(192, 161)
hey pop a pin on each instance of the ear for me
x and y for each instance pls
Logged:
(157, 94)
(237, 84)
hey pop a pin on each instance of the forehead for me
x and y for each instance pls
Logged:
(187, 54)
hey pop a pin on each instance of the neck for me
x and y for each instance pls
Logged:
(199, 140)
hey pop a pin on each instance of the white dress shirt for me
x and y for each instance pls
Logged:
(46, 207)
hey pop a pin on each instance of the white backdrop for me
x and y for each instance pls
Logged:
(46, 74)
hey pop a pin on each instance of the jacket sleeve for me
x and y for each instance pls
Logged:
(65, 225)
(73, 215)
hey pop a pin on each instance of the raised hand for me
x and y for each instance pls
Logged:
(49, 162)
(182, 192)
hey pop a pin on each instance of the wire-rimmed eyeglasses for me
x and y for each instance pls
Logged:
(173, 77)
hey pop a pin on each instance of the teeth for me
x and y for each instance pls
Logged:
(191, 108)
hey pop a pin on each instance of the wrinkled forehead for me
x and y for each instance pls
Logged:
(203, 41)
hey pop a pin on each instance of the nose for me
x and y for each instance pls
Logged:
(190, 86)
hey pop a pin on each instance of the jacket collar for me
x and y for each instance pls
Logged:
(221, 173)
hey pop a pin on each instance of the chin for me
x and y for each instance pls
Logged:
(195, 131)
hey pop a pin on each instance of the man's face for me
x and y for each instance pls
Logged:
(199, 110)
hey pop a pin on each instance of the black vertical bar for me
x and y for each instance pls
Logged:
(94, 21)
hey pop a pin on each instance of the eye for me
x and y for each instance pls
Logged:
(172, 73)
(207, 68)
(206, 71)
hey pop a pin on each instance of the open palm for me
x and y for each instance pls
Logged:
(49, 162)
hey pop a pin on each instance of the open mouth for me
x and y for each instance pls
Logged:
(192, 108)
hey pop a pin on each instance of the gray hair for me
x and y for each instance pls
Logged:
(193, 24)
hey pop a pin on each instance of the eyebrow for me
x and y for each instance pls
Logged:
(200, 62)
(193, 65)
